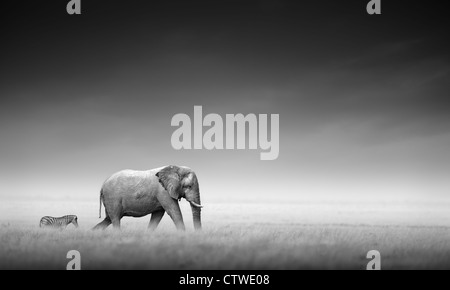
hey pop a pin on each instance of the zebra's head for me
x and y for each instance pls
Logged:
(74, 220)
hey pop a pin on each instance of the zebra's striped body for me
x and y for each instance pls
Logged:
(60, 222)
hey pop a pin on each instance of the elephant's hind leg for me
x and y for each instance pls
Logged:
(103, 225)
(116, 223)
(155, 219)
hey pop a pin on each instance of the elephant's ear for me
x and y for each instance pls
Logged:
(170, 180)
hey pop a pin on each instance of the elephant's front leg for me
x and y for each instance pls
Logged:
(172, 208)
(155, 219)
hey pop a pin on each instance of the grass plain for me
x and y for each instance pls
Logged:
(247, 235)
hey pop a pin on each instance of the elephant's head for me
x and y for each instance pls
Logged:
(181, 182)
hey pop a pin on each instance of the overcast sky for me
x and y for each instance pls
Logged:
(363, 100)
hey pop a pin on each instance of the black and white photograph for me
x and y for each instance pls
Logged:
(224, 135)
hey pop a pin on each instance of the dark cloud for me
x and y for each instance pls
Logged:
(103, 86)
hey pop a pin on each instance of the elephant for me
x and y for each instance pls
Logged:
(156, 191)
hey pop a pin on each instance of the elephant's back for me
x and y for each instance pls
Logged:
(127, 179)
(129, 173)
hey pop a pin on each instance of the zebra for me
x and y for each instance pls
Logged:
(59, 223)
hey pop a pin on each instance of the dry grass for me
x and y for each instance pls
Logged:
(236, 242)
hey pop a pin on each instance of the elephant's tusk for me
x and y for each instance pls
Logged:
(195, 204)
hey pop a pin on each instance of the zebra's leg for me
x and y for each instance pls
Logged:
(104, 224)
(155, 219)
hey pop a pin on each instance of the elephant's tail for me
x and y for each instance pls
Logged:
(100, 210)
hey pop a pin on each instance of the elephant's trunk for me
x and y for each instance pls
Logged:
(196, 209)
